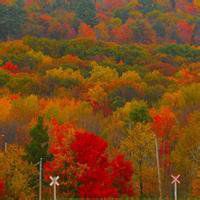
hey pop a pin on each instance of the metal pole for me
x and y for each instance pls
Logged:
(54, 186)
(158, 169)
(40, 180)
(175, 190)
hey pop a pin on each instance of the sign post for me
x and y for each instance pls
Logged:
(40, 179)
(175, 181)
(54, 183)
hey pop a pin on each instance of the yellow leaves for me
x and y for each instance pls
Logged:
(174, 100)
(102, 75)
(131, 78)
(64, 74)
(97, 93)
(191, 94)
(140, 137)
(65, 110)
(25, 108)
(16, 172)
(139, 144)
(187, 98)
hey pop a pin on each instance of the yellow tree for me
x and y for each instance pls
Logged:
(139, 147)
(16, 173)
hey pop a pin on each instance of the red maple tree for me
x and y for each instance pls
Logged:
(85, 170)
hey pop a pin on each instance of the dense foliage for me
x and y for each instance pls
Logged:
(93, 87)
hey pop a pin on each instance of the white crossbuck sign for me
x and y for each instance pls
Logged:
(175, 181)
(54, 183)
(54, 180)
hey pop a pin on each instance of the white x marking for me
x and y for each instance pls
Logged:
(54, 180)
(175, 179)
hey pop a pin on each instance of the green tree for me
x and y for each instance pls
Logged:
(4, 77)
(38, 147)
(140, 114)
(11, 20)
(86, 11)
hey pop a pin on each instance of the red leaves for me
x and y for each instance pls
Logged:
(122, 34)
(122, 173)
(96, 182)
(81, 161)
(101, 178)
(9, 66)
(162, 125)
(2, 188)
(87, 152)
(163, 121)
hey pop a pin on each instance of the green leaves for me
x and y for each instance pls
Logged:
(38, 146)
(86, 11)
(11, 20)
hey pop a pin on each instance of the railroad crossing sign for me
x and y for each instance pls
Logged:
(54, 183)
(175, 181)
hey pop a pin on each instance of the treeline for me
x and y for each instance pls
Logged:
(123, 21)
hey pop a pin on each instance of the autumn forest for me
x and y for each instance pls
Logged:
(99, 99)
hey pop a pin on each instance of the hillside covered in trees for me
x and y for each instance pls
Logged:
(105, 92)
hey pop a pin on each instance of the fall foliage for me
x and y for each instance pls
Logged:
(105, 92)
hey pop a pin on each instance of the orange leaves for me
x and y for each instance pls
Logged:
(163, 121)
(196, 185)
(46, 18)
(85, 31)
(5, 108)
(186, 77)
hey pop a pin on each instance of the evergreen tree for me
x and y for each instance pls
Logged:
(11, 20)
(86, 11)
(38, 147)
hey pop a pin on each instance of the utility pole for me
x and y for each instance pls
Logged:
(175, 181)
(158, 169)
(40, 179)
(54, 183)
